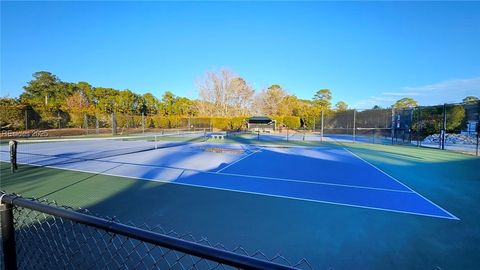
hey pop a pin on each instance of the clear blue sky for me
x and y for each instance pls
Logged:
(366, 53)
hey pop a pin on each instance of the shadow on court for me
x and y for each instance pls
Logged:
(327, 235)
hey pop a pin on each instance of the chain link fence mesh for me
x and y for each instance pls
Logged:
(45, 241)
(449, 126)
(452, 127)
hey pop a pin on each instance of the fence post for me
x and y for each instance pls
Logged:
(97, 124)
(114, 124)
(143, 123)
(354, 116)
(85, 123)
(392, 132)
(8, 236)
(420, 126)
(26, 119)
(321, 135)
(478, 126)
(410, 126)
(415, 131)
(444, 128)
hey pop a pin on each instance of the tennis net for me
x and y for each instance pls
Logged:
(99, 147)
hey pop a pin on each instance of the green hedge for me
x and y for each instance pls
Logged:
(12, 117)
(236, 123)
(292, 122)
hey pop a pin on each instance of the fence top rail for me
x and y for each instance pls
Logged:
(191, 248)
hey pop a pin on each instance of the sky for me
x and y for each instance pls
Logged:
(367, 53)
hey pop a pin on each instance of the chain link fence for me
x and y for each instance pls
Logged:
(452, 127)
(449, 126)
(27, 122)
(44, 235)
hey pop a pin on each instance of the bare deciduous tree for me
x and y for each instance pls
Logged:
(268, 101)
(224, 93)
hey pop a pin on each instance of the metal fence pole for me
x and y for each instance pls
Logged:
(392, 132)
(354, 116)
(8, 236)
(478, 126)
(223, 257)
(410, 129)
(26, 119)
(114, 124)
(97, 124)
(85, 123)
(444, 128)
(321, 136)
(143, 122)
(420, 126)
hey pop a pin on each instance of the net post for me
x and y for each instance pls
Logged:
(8, 235)
(156, 145)
(13, 155)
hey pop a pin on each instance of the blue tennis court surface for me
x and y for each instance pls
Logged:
(324, 174)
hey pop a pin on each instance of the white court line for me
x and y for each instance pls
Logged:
(311, 182)
(398, 181)
(234, 174)
(238, 160)
(254, 193)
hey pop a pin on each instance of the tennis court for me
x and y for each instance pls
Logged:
(326, 174)
(339, 205)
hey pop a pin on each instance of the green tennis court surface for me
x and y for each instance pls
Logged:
(328, 235)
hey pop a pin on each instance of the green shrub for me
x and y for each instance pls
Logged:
(175, 121)
(292, 122)
(455, 118)
(236, 123)
(76, 120)
(221, 123)
(12, 117)
(278, 120)
(161, 121)
(201, 122)
(149, 121)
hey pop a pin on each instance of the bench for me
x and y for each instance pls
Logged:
(217, 136)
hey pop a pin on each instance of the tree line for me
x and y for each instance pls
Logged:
(221, 94)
